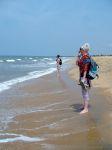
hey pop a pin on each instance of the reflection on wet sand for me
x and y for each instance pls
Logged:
(54, 122)
(61, 80)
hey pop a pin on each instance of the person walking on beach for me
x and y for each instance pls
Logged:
(84, 65)
(58, 62)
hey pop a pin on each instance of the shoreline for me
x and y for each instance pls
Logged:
(31, 74)
(52, 117)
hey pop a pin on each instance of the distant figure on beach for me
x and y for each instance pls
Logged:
(83, 62)
(58, 62)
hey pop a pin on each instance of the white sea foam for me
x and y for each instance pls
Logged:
(36, 74)
(49, 59)
(19, 59)
(42, 63)
(10, 60)
(18, 137)
(52, 63)
(35, 60)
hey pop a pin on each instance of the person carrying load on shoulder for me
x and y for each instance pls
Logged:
(58, 62)
(84, 65)
(88, 70)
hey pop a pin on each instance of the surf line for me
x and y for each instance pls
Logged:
(18, 137)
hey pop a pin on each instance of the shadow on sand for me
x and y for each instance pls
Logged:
(77, 107)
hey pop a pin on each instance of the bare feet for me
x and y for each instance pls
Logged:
(84, 111)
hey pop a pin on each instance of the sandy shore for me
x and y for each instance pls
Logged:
(54, 122)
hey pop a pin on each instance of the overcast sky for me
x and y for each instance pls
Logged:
(50, 27)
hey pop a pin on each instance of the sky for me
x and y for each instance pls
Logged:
(51, 27)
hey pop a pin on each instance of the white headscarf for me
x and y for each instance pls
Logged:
(86, 46)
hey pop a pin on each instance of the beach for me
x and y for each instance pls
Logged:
(105, 74)
(50, 118)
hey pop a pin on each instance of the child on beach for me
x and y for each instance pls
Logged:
(84, 65)
(58, 62)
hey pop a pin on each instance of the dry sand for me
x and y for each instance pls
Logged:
(105, 73)
(56, 121)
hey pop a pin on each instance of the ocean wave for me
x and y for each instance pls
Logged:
(34, 60)
(64, 60)
(19, 59)
(30, 58)
(52, 63)
(48, 59)
(18, 137)
(35, 74)
(10, 60)
(1, 61)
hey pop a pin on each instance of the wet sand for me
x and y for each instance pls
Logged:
(54, 122)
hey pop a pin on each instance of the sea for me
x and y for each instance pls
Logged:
(18, 69)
